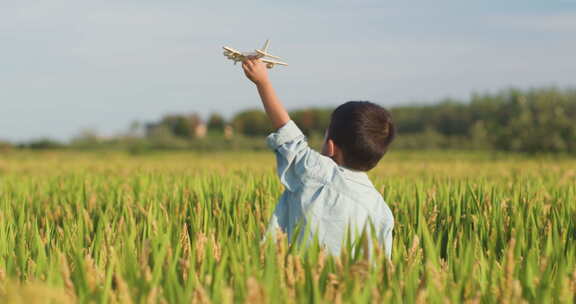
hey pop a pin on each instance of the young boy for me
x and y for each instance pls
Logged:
(329, 192)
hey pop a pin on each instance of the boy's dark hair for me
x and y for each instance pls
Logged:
(363, 131)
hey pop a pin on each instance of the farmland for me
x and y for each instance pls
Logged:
(177, 227)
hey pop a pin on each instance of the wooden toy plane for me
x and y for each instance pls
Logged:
(237, 56)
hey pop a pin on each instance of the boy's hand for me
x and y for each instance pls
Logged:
(255, 70)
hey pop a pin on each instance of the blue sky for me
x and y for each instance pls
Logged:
(71, 65)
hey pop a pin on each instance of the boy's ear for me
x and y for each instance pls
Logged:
(329, 148)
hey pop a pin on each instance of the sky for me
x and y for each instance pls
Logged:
(70, 65)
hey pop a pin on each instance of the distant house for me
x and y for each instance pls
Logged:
(200, 130)
(228, 131)
(5, 146)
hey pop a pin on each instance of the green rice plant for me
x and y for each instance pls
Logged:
(180, 228)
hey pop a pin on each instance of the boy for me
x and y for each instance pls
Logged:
(328, 192)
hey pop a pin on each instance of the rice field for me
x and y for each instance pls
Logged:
(187, 228)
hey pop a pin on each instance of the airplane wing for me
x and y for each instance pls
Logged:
(273, 62)
(233, 54)
(231, 50)
(264, 54)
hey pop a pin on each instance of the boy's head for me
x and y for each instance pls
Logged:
(359, 135)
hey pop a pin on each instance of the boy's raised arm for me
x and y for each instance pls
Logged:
(256, 71)
(296, 161)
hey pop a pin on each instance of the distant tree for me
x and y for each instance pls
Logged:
(252, 123)
(182, 126)
(312, 120)
(43, 143)
(86, 138)
(162, 137)
(409, 119)
(451, 117)
(135, 130)
(538, 120)
(216, 123)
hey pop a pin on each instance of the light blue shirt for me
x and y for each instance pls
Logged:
(323, 196)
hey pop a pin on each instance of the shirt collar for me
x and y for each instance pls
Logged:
(357, 176)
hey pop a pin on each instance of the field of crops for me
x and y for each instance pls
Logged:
(181, 228)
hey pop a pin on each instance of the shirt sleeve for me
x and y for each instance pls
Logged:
(385, 238)
(296, 162)
(279, 219)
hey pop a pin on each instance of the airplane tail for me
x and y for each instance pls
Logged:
(264, 51)
(266, 44)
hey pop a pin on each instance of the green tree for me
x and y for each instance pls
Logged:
(182, 126)
(252, 123)
(216, 123)
(312, 121)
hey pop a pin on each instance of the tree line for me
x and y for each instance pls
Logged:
(534, 120)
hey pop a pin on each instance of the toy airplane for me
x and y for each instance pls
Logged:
(237, 56)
